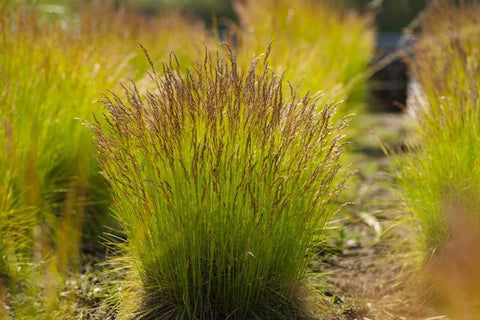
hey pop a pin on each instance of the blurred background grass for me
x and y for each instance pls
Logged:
(392, 15)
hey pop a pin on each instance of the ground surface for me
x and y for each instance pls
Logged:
(371, 277)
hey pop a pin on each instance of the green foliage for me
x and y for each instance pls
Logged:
(314, 42)
(51, 194)
(51, 80)
(441, 175)
(50, 182)
(221, 185)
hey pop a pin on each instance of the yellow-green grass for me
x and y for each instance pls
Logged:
(53, 68)
(444, 170)
(221, 184)
(315, 42)
(440, 175)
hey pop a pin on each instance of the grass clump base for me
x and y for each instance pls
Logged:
(221, 186)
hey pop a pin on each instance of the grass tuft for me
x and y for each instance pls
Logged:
(221, 185)
(440, 177)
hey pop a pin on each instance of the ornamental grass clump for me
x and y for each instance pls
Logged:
(444, 168)
(221, 185)
(318, 44)
(440, 177)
